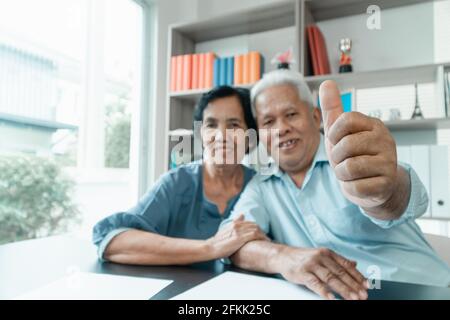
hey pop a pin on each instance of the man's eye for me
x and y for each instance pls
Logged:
(292, 114)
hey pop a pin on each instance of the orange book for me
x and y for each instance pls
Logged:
(201, 71)
(179, 82)
(255, 66)
(187, 72)
(246, 69)
(238, 64)
(173, 74)
(195, 69)
(312, 50)
(324, 63)
(209, 69)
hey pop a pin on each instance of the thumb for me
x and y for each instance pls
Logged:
(330, 103)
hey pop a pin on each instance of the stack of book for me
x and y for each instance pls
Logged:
(248, 68)
(192, 71)
(318, 51)
(205, 70)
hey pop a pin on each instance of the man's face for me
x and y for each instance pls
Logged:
(288, 128)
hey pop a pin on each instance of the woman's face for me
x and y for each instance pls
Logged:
(223, 131)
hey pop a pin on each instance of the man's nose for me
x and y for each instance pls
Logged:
(283, 127)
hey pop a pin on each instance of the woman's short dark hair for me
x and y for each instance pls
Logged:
(223, 92)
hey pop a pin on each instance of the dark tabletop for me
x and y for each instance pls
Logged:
(28, 265)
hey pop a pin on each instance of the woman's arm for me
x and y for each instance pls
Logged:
(146, 248)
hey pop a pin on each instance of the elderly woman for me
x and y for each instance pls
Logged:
(176, 221)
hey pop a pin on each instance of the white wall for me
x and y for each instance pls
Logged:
(405, 38)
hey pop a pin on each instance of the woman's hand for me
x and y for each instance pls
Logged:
(233, 236)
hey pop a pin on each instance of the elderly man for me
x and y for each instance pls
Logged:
(338, 207)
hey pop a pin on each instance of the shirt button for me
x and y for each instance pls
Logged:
(312, 221)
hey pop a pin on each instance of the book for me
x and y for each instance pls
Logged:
(201, 71)
(238, 69)
(321, 51)
(230, 71)
(195, 71)
(179, 74)
(223, 71)
(209, 69)
(173, 73)
(255, 66)
(312, 50)
(246, 69)
(216, 78)
(187, 72)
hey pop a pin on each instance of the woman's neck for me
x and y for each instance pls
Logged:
(223, 174)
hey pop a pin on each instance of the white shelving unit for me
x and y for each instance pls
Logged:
(277, 26)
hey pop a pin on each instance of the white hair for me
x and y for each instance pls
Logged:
(281, 77)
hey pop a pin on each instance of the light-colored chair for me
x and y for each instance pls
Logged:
(441, 245)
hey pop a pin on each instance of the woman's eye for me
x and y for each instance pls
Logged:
(268, 122)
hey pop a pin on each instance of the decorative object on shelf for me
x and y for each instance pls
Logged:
(375, 113)
(417, 114)
(395, 114)
(283, 60)
(345, 64)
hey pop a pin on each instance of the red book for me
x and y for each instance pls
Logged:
(187, 72)
(179, 82)
(195, 69)
(246, 69)
(238, 68)
(209, 69)
(255, 66)
(201, 71)
(324, 63)
(173, 74)
(312, 50)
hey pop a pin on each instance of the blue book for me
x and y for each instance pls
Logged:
(230, 71)
(216, 77)
(223, 72)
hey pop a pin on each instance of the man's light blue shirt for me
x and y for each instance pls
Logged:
(318, 215)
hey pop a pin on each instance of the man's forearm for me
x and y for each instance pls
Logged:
(260, 256)
(145, 248)
(394, 207)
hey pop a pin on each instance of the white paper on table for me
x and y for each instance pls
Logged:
(238, 286)
(92, 286)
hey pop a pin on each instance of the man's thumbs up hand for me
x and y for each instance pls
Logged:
(360, 149)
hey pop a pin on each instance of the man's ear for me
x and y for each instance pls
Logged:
(317, 117)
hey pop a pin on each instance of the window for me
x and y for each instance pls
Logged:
(70, 91)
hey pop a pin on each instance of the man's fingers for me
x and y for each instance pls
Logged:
(349, 123)
(360, 167)
(330, 103)
(344, 275)
(350, 266)
(356, 144)
(315, 284)
(335, 283)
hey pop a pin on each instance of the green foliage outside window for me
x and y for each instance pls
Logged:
(35, 199)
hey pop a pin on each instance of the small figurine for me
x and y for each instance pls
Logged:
(345, 64)
(417, 114)
(283, 60)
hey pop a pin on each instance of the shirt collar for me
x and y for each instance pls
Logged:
(274, 170)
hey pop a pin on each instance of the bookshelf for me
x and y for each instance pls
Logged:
(274, 27)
